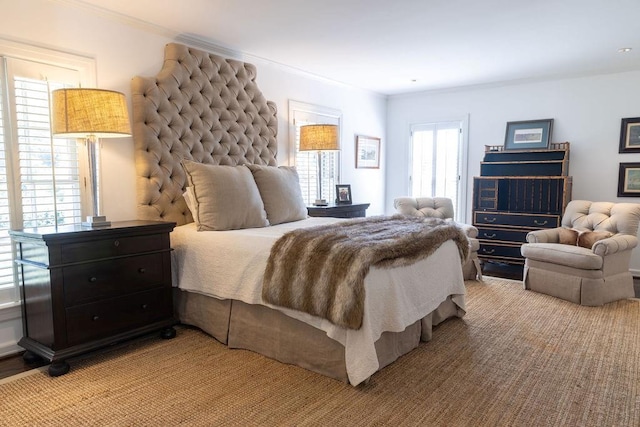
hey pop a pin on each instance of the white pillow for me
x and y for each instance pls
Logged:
(280, 191)
(224, 197)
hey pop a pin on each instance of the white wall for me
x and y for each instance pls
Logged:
(587, 112)
(123, 50)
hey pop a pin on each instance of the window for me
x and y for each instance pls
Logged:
(306, 162)
(436, 153)
(40, 176)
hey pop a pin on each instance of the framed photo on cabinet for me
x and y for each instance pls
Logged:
(629, 180)
(528, 135)
(367, 152)
(630, 135)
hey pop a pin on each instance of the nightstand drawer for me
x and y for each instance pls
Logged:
(105, 248)
(98, 280)
(108, 317)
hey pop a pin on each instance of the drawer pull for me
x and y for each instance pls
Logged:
(489, 252)
(93, 279)
(96, 317)
(142, 270)
(116, 243)
(490, 219)
(489, 236)
(535, 221)
(144, 306)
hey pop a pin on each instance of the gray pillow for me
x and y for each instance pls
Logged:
(280, 191)
(224, 197)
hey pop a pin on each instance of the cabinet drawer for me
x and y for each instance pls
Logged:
(104, 279)
(105, 318)
(504, 235)
(500, 251)
(104, 248)
(517, 220)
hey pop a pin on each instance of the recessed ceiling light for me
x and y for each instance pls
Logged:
(624, 49)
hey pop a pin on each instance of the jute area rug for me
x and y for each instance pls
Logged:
(516, 359)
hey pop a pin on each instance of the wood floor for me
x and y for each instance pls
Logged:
(12, 365)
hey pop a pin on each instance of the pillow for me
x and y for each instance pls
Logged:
(586, 239)
(280, 191)
(568, 236)
(188, 198)
(224, 197)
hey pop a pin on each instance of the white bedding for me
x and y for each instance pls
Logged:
(230, 265)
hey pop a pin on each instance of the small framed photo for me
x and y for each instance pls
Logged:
(629, 180)
(367, 152)
(528, 135)
(630, 135)
(343, 194)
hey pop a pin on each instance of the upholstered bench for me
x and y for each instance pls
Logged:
(442, 207)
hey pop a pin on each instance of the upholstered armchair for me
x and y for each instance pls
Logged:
(585, 261)
(442, 207)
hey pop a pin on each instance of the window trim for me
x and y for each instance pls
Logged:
(85, 67)
(461, 213)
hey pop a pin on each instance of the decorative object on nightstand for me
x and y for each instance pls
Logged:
(84, 289)
(90, 114)
(343, 194)
(319, 138)
(339, 211)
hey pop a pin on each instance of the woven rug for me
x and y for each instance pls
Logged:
(517, 358)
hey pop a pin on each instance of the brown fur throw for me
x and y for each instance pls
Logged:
(321, 270)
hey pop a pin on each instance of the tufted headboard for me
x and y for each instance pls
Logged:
(199, 107)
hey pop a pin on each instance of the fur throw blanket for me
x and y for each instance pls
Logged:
(321, 270)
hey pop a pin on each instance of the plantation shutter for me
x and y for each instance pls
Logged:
(39, 175)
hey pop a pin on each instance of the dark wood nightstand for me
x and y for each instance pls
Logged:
(83, 289)
(339, 211)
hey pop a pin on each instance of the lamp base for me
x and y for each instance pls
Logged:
(96, 222)
(320, 202)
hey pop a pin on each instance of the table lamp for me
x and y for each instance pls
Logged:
(90, 114)
(319, 138)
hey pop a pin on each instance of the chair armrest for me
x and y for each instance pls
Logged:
(468, 229)
(548, 235)
(617, 243)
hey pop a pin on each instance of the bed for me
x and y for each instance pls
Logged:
(202, 114)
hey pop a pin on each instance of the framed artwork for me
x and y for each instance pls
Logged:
(528, 135)
(629, 180)
(367, 152)
(343, 194)
(630, 135)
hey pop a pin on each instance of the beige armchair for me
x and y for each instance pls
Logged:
(442, 207)
(585, 261)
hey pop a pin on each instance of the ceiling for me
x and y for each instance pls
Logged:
(398, 46)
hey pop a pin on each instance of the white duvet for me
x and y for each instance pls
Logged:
(230, 265)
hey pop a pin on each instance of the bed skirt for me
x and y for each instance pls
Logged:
(275, 335)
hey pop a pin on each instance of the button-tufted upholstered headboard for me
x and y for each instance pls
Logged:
(200, 107)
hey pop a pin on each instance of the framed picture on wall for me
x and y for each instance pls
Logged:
(343, 194)
(629, 180)
(528, 135)
(367, 152)
(630, 135)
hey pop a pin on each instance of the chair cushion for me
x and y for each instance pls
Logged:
(554, 253)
